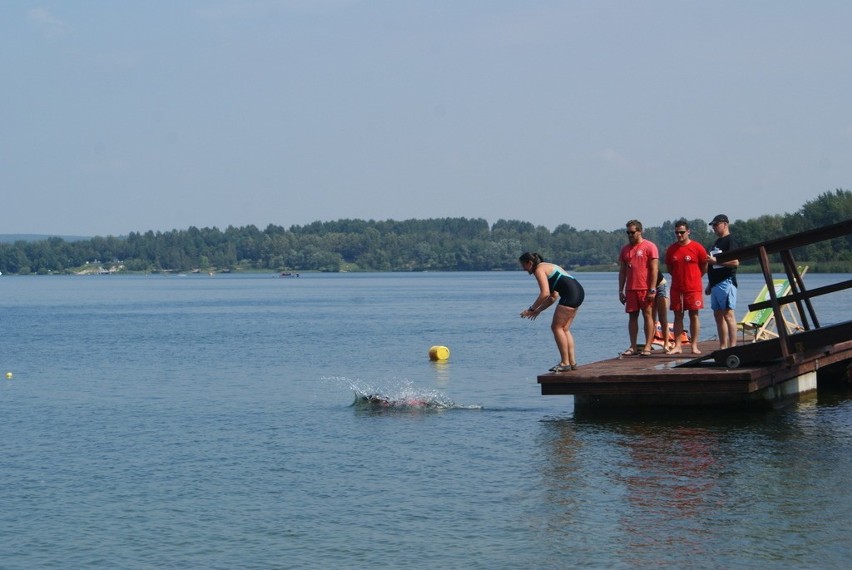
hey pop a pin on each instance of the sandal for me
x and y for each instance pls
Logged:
(629, 352)
(564, 367)
(645, 353)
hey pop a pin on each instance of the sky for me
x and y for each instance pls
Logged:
(129, 116)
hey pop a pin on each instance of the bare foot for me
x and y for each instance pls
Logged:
(674, 350)
(695, 350)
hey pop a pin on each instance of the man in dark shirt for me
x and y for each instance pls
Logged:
(722, 283)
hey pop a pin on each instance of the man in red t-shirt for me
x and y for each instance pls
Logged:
(637, 285)
(686, 261)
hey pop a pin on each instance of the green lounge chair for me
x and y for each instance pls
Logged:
(760, 325)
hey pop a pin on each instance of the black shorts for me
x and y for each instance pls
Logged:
(571, 293)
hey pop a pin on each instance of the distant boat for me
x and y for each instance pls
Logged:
(288, 274)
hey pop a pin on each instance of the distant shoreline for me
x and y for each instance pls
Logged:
(12, 238)
(813, 267)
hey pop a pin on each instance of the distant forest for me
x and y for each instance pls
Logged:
(441, 244)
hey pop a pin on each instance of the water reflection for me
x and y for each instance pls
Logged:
(689, 489)
(649, 493)
(442, 372)
(671, 481)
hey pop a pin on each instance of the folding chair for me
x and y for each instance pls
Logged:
(761, 325)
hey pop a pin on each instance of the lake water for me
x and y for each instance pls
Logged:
(212, 422)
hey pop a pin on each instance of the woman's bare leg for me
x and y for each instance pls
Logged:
(561, 326)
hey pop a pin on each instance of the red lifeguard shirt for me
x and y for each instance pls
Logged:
(684, 263)
(636, 258)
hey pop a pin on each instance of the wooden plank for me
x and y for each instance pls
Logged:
(661, 375)
(769, 350)
(794, 297)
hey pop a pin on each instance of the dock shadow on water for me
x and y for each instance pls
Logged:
(398, 395)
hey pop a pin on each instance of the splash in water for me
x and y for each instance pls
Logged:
(382, 401)
(398, 395)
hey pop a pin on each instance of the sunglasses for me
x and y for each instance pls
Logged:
(633, 232)
(680, 232)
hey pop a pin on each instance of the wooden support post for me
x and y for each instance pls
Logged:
(776, 308)
(798, 285)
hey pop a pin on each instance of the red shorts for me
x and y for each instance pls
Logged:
(689, 301)
(636, 300)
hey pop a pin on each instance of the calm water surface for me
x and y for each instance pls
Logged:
(198, 422)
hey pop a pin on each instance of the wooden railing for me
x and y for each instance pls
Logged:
(800, 295)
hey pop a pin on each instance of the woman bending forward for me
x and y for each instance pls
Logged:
(553, 283)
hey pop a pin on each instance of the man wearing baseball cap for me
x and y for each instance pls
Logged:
(722, 283)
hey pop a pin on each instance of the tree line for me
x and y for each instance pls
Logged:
(439, 244)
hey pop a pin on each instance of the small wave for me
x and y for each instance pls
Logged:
(398, 395)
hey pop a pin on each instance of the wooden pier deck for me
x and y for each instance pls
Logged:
(764, 372)
(684, 381)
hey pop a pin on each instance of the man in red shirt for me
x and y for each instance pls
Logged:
(686, 261)
(637, 285)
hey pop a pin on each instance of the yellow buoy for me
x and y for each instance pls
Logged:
(9, 375)
(439, 353)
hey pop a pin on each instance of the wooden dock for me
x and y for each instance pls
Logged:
(763, 373)
(685, 380)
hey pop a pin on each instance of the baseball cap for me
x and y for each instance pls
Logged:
(719, 218)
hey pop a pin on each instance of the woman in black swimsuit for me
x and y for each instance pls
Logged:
(553, 283)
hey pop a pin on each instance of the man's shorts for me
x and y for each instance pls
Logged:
(723, 296)
(636, 300)
(689, 301)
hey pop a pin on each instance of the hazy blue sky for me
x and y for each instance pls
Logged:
(122, 116)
